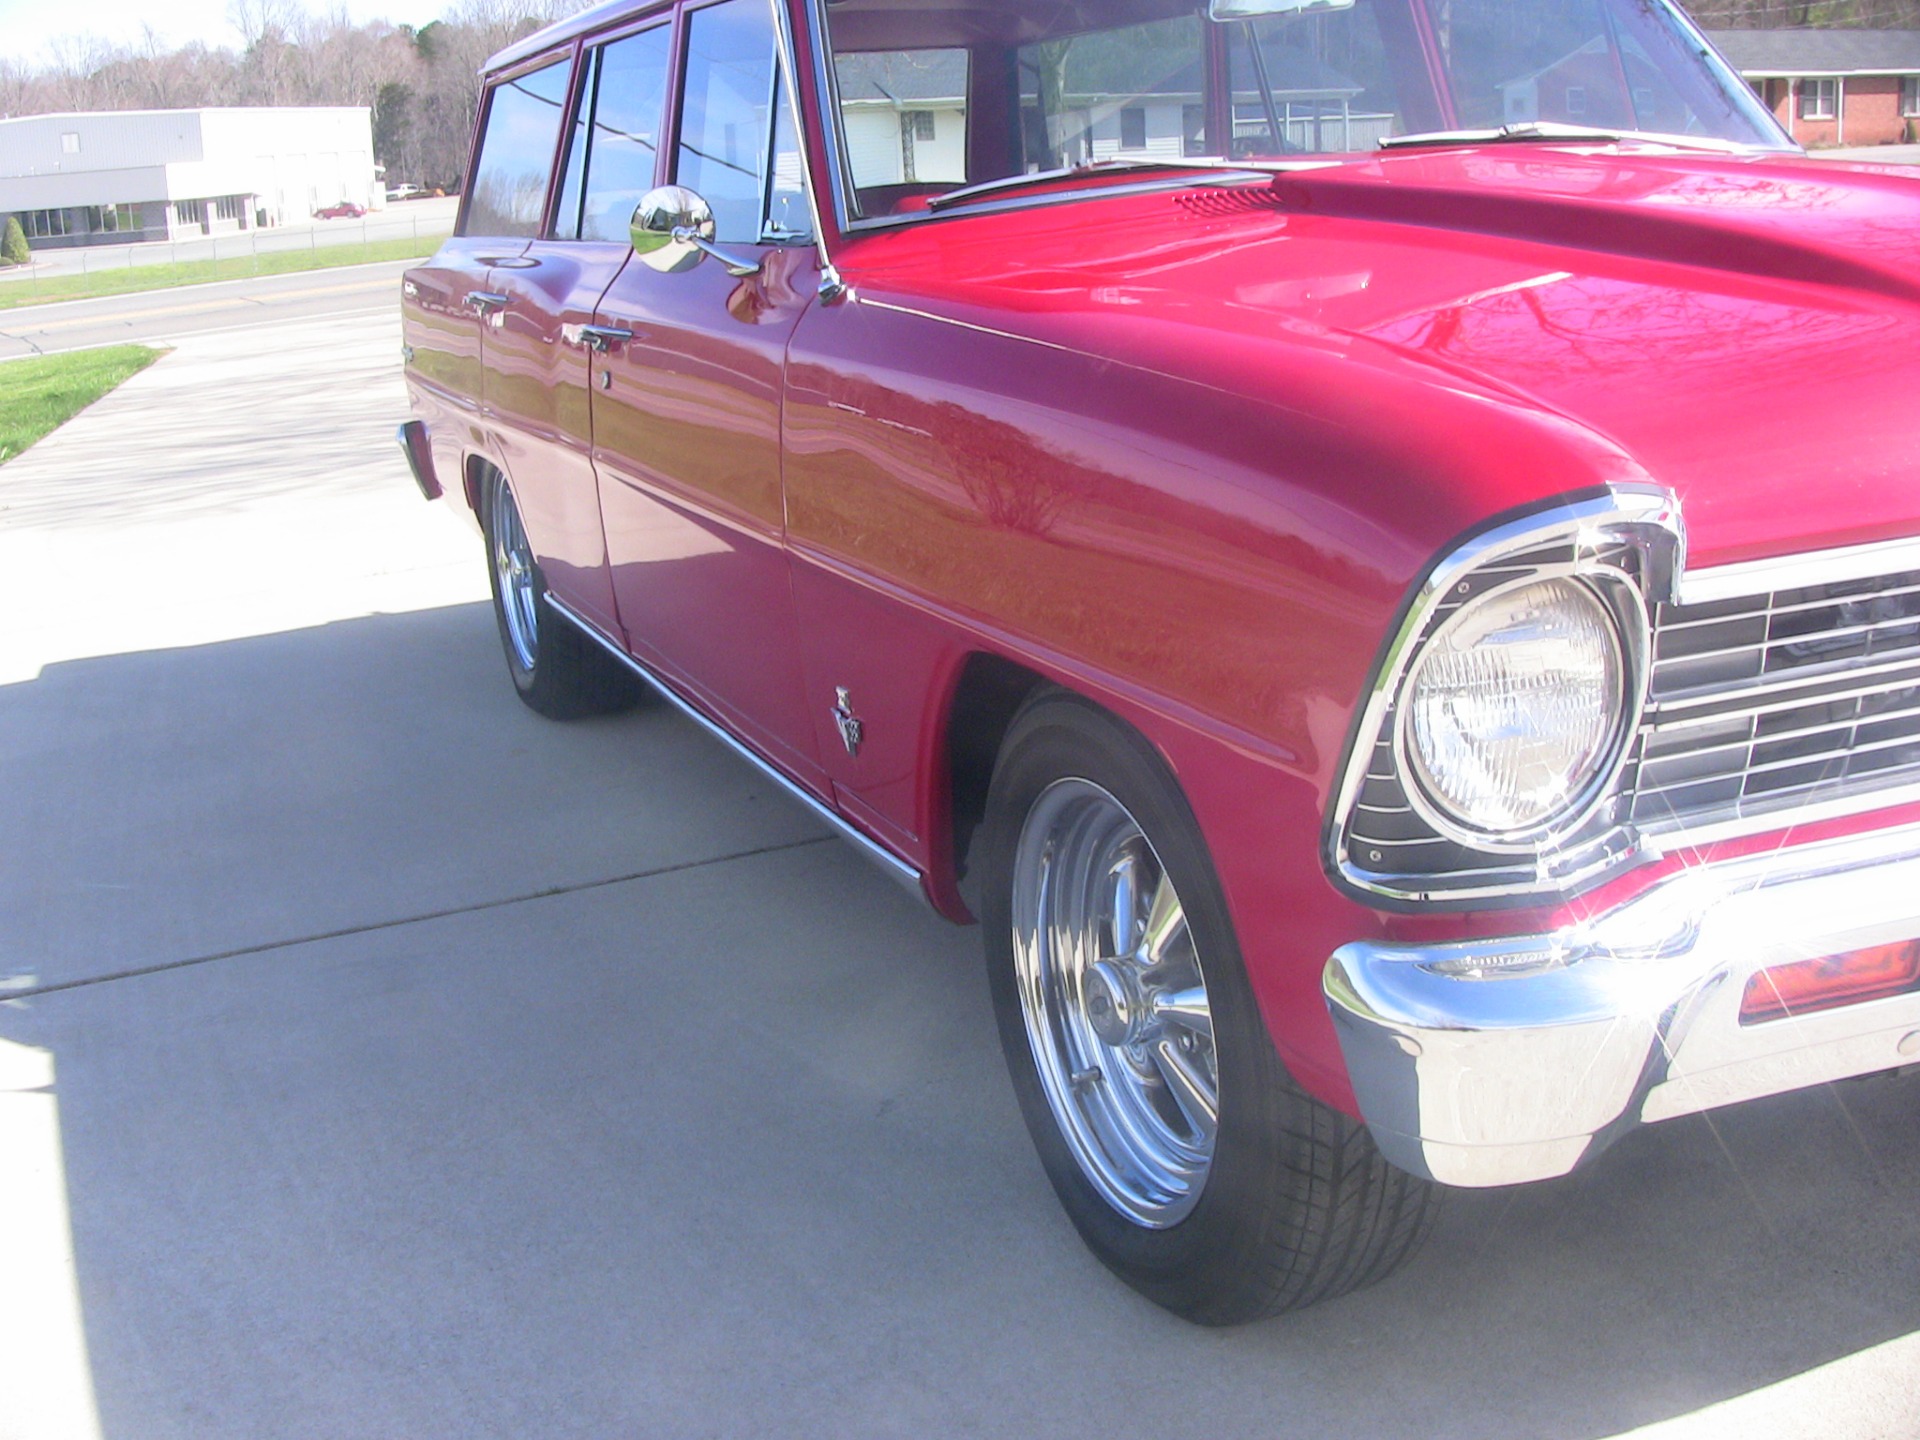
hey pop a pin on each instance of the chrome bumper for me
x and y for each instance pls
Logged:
(1496, 1062)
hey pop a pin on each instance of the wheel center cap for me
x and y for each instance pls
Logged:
(1115, 1008)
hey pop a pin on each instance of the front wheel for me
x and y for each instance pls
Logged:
(1187, 1158)
(556, 670)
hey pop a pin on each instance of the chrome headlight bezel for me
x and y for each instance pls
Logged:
(1398, 850)
(1628, 625)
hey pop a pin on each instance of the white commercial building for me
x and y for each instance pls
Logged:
(108, 177)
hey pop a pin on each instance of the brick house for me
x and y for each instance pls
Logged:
(1833, 87)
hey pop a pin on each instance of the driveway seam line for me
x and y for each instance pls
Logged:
(425, 917)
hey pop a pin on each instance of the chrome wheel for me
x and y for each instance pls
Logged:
(1115, 1002)
(514, 576)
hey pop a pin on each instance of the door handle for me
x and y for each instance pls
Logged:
(483, 301)
(598, 338)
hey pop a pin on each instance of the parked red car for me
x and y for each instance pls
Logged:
(344, 210)
(1374, 545)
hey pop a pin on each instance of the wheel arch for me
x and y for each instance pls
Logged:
(478, 468)
(988, 690)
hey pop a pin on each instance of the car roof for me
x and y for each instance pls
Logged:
(563, 30)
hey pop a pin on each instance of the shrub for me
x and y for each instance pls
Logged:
(13, 248)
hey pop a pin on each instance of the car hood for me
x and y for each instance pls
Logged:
(1743, 330)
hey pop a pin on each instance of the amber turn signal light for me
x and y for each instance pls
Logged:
(1833, 980)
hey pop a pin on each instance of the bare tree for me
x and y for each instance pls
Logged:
(423, 86)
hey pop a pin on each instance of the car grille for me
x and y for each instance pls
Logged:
(1779, 700)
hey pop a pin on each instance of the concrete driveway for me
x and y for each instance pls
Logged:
(384, 1061)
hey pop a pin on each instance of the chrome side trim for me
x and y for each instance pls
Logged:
(892, 864)
(1791, 572)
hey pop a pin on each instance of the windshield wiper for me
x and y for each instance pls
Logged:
(1118, 165)
(1547, 132)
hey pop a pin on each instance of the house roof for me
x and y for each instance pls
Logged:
(921, 75)
(1820, 52)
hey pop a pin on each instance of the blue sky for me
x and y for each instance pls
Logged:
(27, 26)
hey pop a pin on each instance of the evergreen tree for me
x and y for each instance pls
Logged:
(13, 248)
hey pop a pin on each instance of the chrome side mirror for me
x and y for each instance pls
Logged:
(672, 230)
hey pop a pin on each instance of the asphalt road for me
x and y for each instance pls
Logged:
(348, 292)
(381, 1060)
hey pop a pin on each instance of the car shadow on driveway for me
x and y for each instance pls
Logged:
(616, 1101)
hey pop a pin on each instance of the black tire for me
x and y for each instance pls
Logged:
(1295, 1204)
(556, 670)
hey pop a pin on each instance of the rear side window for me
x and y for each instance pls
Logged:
(616, 136)
(516, 153)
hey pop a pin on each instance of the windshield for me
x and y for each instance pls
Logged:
(934, 99)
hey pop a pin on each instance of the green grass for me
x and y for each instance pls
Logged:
(126, 281)
(41, 394)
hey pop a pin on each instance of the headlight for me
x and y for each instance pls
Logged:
(1515, 709)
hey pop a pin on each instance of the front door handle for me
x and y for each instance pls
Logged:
(482, 302)
(598, 338)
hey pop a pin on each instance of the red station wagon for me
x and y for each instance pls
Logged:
(1373, 544)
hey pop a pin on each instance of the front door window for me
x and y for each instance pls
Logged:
(726, 114)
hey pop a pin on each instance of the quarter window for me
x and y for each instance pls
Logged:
(516, 151)
(1819, 99)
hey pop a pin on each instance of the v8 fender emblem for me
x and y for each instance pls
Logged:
(846, 722)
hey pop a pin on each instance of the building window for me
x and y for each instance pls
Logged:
(230, 207)
(923, 126)
(70, 143)
(1910, 96)
(1193, 130)
(113, 219)
(1133, 128)
(1819, 99)
(1576, 100)
(45, 224)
